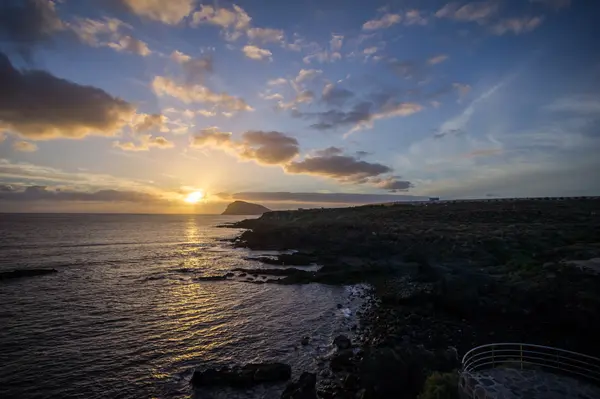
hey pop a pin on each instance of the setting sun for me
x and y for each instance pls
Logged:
(194, 197)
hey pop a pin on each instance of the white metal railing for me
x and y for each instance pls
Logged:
(528, 356)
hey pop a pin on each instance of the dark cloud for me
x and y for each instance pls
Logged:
(329, 151)
(269, 147)
(334, 119)
(340, 167)
(319, 198)
(39, 105)
(451, 132)
(333, 95)
(43, 193)
(361, 115)
(27, 23)
(361, 154)
(392, 184)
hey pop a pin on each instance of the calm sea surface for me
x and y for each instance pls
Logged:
(124, 318)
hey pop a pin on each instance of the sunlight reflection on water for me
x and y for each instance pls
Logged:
(128, 320)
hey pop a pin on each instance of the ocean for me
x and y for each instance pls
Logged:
(124, 316)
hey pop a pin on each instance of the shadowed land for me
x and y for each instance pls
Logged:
(446, 275)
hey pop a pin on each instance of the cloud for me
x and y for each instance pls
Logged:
(370, 50)
(267, 148)
(265, 35)
(163, 86)
(516, 25)
(39, 106)
(463, 89)
(336, 42)
(211, 137)
(478, 11)
(274, 96)
(234, 22)
(28, 23)
(392, 184)
(44, 193)
(307, 75)
(361, 116)
(278, 81)
(385, 21)
(146, 142)
(437, 59)
(316, 199)
(323, 56)
(579, 104)
(108, 32)
(329, 151)
(32, 174)
(459, 122)
(195, 69)
(24, 146)
(334, 95)
(146, 122)
(343, 168)
(556, 4)
(257, 53)
(131, 45)
(414, 17)
(168, 12)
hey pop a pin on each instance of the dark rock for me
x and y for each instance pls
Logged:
(229, 274)
(342, 360)
(244, 208)
(211, 278)
(339, 306)
(304, 388)
(241, 377)
(305, 340)
(242, 274)
(342, 342)
(20, 273)
(271, 372)
(354, 327)
(295, 259)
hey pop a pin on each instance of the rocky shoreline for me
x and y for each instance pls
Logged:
(445, 278)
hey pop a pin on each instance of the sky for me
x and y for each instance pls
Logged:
(131, 105)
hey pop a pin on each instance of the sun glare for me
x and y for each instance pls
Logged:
(194, 197)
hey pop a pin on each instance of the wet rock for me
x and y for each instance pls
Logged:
(211, 278)
(21, 273)
(304, 388)
(244, 376)
(342, 342)
(305, 340)
(342, 360)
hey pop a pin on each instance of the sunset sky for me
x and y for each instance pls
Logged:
(131, 105)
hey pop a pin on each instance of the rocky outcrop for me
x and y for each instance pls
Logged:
(304, 388)
(245, 208)
(21, 273)
(242, 377)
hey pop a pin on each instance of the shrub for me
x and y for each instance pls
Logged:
(440, 386)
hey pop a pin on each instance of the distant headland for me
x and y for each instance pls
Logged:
(245, 208)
